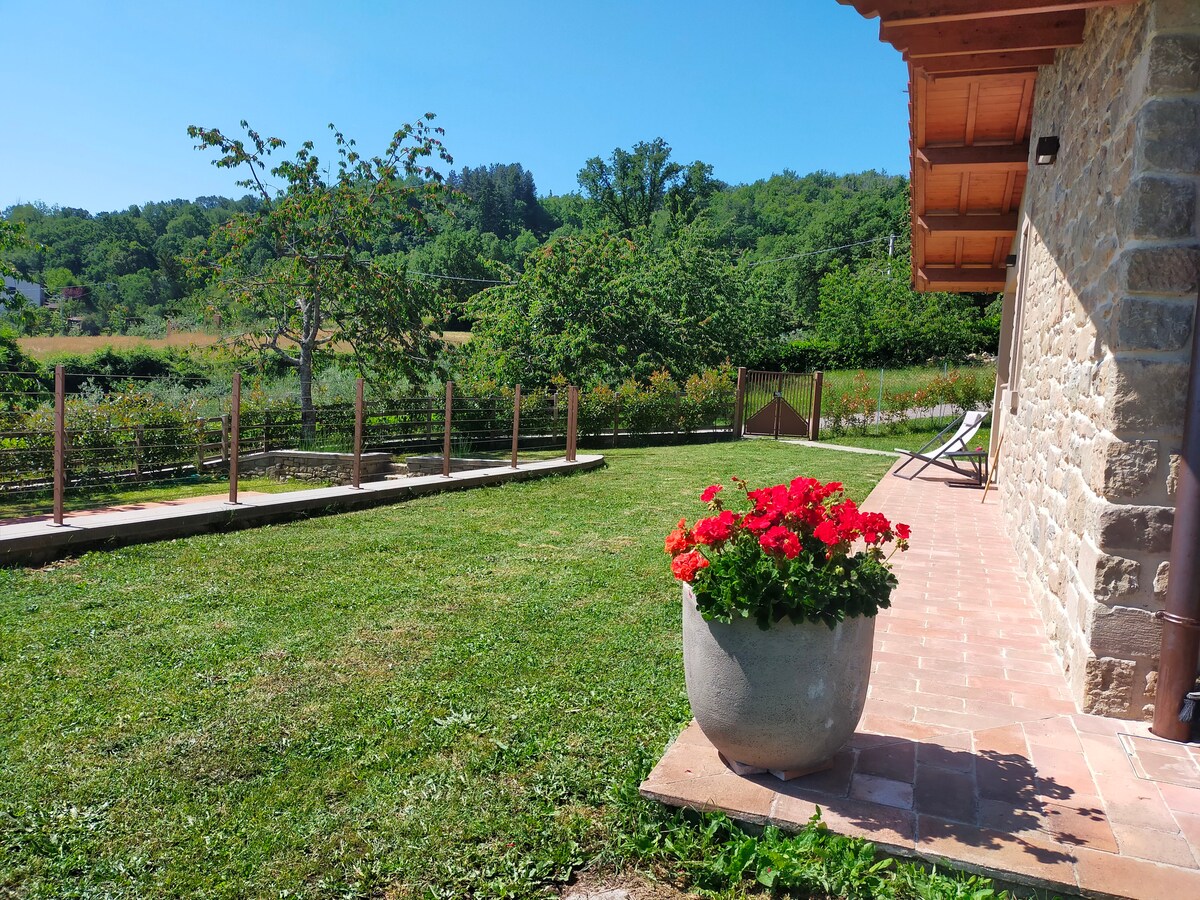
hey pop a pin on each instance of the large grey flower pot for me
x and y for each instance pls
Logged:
(783, 700)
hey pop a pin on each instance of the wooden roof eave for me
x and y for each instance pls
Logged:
(972, 69)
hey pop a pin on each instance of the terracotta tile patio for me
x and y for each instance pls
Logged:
(970, 749)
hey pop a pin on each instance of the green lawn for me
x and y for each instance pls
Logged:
(907, 440)
(450, 697)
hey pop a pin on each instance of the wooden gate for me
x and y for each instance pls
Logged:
(781, 404)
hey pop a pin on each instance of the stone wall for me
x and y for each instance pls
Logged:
(1109, 273)
(302, 465)
(432, 465)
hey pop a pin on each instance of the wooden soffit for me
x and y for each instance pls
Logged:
(973, 66)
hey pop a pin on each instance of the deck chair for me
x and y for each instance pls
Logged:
(964, 429)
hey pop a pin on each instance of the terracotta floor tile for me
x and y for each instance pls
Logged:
(890, 828)
(1189, 828)
(833, 782)
(894, 761)
(945, 794)
(1123, 876)
(1008, 740)
(1181, 799)
(997, 815)
(1156, 846)
(748, 799)
(994, 852)
(884, 791)
(1080, 826)
(951, 752)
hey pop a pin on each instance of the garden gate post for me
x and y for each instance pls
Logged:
(60, 442)
(235, 433)
(356, 476)
(739, 403)
(516, 423)
(446, 434)
(814, 422)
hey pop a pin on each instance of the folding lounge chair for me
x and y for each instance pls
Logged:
(964, 429)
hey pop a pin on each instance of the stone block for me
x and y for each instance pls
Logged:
(1169, 135)
(1146, 528)
(1108, 686)
(1173, 473)
(1126, 468)
(1144, 394)
(1160, 580)
(1125, 632)
(1162, 270)
(1145, 323)
(1158, 207)
(1115, 577)
(1175, 63)
(1170, 14)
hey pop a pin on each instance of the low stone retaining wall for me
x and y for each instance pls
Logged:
(305, 465)
(432, 465)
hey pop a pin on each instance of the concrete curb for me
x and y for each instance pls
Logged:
(33, 543)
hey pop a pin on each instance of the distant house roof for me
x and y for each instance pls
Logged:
(31, 291)
(972, 69)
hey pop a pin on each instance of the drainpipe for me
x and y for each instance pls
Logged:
(1180, 649)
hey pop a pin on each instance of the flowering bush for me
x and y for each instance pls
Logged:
(787, 556)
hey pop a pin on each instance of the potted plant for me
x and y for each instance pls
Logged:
(779, 605)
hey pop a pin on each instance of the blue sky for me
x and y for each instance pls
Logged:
(99, 95)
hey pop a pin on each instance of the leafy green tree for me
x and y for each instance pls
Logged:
(602, 308)
(632, 185)
(872, 317)
(322, 283)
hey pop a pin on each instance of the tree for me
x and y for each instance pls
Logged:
(322, 284)
(632, 186)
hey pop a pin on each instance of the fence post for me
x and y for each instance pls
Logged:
(739, 403)
(616, 424)
(446, 434)
(516, 423)
(200, 435)
(572, 421)
(60, 442)
(235, 435)
(139, 431)
(356, 477)
(814, 422)
(879, 407)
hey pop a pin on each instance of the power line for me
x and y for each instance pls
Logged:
(459, 278)
(874, 240)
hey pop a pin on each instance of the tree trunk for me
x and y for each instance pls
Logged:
(308, 413)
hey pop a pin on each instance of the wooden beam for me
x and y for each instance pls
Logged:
(919, 42)
(970, 225)
(928, 13)
(949, 278)
(982, 63)
(985, 160)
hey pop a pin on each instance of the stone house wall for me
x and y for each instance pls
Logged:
(1091, 411)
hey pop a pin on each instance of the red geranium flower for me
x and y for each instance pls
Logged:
(686, 565)
(710, 493)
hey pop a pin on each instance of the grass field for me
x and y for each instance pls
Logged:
(43, 347)
(451, 697)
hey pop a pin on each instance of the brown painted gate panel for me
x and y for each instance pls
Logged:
(779, 404)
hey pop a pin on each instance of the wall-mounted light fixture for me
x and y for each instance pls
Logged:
(1047, 150)
(1010, 261)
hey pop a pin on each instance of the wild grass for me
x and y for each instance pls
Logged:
(451, 697)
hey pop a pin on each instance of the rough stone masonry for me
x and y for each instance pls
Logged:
(1111, 273)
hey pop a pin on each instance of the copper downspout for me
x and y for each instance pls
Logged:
(1180, 649)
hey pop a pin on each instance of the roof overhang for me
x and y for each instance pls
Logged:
(972, 65)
